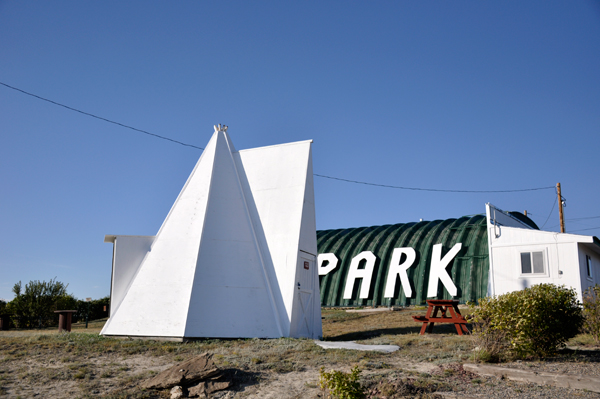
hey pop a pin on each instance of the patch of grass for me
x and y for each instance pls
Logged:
(585, 340)
(79, 374)
(106, 374)
(99, 361)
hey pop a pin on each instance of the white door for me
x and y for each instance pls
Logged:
(305, 293)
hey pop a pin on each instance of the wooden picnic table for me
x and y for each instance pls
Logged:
(444, 306)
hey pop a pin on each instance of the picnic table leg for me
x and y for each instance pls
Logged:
(431, 324)
(427, 315)
(455, 313)
(423, 327)
(458, 328)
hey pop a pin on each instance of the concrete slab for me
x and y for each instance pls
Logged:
(358, 347)
(575, 381)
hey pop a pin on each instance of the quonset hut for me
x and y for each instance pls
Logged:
(466, 259)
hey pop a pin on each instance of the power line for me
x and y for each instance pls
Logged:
(433, 189)
(584, 218)
(552, 210)
(315, 174)
(591, 228)
(99, 117)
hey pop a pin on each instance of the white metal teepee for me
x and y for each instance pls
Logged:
(235, 256)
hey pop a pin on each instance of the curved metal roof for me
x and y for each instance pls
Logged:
(469, 269)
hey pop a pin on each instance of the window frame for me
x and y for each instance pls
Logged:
(533, 274)
(589, 267)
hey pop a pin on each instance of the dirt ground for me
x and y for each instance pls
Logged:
(82, 364)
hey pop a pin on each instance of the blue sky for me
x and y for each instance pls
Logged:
(447, 95)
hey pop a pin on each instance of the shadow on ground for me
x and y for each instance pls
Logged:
(240, 379)
(358, 335)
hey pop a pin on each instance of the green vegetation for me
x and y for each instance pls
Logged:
(341, 385)
(536, 321)
(591, 312)
(34, 306)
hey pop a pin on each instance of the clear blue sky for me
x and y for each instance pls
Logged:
(463, 95)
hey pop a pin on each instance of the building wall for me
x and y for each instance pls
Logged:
(468, 269)
(563, 256)
(587, 281)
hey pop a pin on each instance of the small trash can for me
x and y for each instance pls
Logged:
(64, 319)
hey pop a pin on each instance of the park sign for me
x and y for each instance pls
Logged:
(402, 260)
(404, 264)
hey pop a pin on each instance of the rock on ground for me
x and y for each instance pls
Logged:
(184, 374)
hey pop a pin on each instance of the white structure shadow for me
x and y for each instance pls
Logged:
(235, 256)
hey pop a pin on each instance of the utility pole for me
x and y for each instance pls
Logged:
(560, 209)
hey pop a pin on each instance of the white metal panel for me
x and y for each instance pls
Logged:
(280, 179)
(308, 252)
(156, 303)
(128, 254)
(231, 296)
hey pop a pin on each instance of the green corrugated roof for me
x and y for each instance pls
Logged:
(469, 269)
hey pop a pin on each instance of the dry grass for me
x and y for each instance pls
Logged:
(84, 364)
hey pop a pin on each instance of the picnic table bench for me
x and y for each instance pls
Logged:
(444, 306)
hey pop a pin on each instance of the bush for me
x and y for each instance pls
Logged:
(591, 312)
(533, 322)
(341, 385)
(35, 306)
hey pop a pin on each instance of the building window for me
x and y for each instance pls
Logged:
(532, 263)
(588, 262)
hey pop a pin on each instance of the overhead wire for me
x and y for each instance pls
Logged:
(99, 117)
(315, 174)
(433, 189)
(584, 218)
(552, 210)
(591, 228)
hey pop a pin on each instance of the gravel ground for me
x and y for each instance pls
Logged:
(467, 384)
(492, 387)
(452, 381)
(570, 361)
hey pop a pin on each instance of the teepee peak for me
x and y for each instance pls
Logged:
(220, 128)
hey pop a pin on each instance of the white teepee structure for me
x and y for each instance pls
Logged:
(235, 257)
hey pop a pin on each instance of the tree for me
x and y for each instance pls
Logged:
(94, 308)
(35, 307)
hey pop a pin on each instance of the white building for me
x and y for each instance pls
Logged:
(235, 256)
(521, 256)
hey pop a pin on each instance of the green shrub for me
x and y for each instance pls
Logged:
(591, 312)
(34, 307)
(533, 322)
(341, 385)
